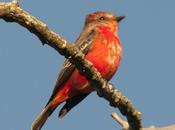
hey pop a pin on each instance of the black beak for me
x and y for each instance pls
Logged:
(119, 18)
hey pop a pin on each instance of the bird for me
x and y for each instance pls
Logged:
(100, 43)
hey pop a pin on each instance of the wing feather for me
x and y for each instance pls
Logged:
(84, 43)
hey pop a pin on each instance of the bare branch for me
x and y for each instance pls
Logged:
(171, 127)
(11, 12)
(125, 124)
(122, 122)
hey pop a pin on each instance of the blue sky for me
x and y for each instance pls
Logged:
(146, 74)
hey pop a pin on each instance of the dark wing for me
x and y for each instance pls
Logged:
(84, 43)
(70, 103)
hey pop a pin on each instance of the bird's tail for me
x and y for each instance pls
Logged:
(41, 119)
(60, 97)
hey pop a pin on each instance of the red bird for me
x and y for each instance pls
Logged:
(100, 42)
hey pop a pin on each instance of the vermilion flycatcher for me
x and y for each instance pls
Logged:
(100, 42)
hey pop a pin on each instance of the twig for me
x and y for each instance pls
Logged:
(122, 122)
(11, 12)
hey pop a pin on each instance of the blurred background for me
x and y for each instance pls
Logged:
(146, 75)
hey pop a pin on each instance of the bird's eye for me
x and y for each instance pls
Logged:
(102, 18)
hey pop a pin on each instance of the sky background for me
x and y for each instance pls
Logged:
(146, 75)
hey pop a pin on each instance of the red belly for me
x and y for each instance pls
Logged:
(105, 57)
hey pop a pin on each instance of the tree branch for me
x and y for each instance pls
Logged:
(125, 124)
(122, 122)
(11, 12)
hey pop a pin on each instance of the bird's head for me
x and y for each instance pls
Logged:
(104, 19)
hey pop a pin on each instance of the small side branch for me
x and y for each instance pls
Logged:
(122, 122)
(11, 12)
